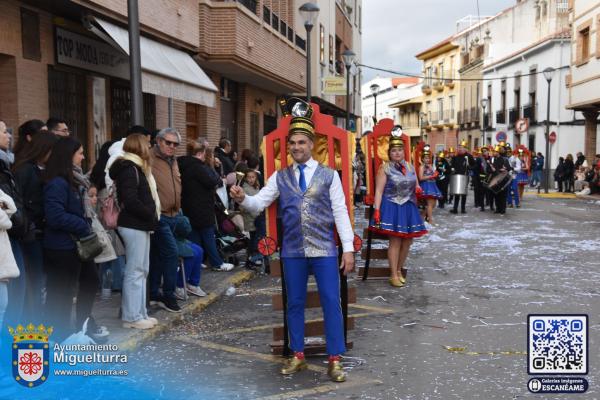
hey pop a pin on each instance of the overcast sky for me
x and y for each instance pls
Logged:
(395, 30)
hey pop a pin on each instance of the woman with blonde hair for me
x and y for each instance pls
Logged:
(140, 210)
(396, 214)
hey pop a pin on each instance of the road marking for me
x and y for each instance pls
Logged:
(352, 382)
(463, 350)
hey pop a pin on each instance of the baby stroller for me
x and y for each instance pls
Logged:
(230, 237)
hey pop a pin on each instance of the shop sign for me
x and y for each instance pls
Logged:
(334, 85)
(83, 52)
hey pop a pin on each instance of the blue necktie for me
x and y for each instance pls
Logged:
(302, 180)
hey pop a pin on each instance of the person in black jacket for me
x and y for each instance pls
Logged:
(460, 165)
(443, 169)
(140, 210)
(28, 168)
(479, 175)
(559, 173)
(16, 286)
(569, 174)
(199, 182)
(224, 153)
(500, 164)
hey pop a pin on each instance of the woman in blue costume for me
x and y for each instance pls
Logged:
(427, 177)
(396, 214)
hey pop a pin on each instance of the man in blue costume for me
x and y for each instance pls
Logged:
(311, 201)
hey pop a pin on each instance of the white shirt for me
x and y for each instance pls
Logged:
(516, 164)
(270, 193)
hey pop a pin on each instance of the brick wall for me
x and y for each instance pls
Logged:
(229, 33)
(175, 18)
(29, 85)
(210, 118)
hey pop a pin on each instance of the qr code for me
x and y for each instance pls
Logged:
(557, 344)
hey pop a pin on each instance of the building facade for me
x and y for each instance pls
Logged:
(55, 63)
(441, 93)
(515, 85)
(389, 92)
(583, 80)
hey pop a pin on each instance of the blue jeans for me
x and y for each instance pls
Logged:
(164, 258)
(536, 177)
(137, 254)
(116, 266)
(512, 193)
(206, 239)
(3, 306)
(16, 288)
(192, 267)
(327, 275)
(33, 259)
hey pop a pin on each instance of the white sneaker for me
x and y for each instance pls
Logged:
(224, 267)
(179, 293)
(204, 266)
(196, 291)
(153, 320)
(141, 324)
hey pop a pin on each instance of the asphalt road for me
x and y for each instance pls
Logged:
(457, 330)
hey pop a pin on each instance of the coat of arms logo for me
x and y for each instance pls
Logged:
(30, 354)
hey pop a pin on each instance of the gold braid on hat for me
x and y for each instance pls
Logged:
(396, 138)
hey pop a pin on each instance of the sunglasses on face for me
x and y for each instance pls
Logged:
(170, 143)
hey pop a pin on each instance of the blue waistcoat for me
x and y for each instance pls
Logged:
(307, 219)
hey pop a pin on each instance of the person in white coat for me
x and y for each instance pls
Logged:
(8, 265)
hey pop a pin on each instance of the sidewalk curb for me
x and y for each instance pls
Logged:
(195, 306)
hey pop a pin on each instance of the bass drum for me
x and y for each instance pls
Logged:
(499, 182)
(458, 185)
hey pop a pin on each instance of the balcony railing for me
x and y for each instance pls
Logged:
(459, 117)
(513, 116)
(448, 115)
(501, 117)
(249, 4)
(466, 116)
(486, 120)
(529, 111)
(474, 114)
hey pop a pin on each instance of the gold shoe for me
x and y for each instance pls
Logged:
(336, 372)
(402, 279)
(396, 282)
(293, 364)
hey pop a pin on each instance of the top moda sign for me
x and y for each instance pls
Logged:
(83, 52)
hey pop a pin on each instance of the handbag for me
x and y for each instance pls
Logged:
(88, 247)
(110, 211)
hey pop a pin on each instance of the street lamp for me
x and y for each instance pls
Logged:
(348, 56)
(374, 90)
(309, 12)
(422, 116)
(548, 73)
(484, 104)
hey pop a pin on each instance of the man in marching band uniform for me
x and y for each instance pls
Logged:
(516, 166)
(311, 202)
(443, 168)
(499, 165)
(460, 165)
(479, 178)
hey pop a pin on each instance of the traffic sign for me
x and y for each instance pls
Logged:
(552, 137)
(522, 125)
(501, 136)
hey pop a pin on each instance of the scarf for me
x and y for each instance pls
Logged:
(83, 184)
(145, 166)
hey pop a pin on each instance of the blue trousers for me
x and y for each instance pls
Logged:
(512, 193)
(207, 239)
(326, 273)
(192, 266)
(33, 258)
(164, 259)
